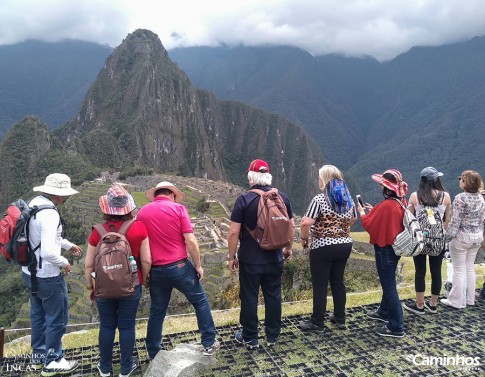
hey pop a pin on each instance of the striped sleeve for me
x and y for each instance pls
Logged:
(313, 209)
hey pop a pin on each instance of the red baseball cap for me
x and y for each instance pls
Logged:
(259, 166)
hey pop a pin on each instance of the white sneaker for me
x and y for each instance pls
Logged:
(447, 302)
(101, 373)
(59, 367)
(133, 367)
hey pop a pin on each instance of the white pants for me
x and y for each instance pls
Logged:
(463, 258)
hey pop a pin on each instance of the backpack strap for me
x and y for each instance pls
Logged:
(402, 205)
(125, 227)
(440, 197)
(258, 191)
(100, 229)
(33, 213)
(32, 267)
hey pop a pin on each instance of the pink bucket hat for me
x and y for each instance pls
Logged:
(117, 201)
(399, 187)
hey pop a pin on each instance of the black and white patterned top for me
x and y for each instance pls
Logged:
(467, 218)
(330, 227)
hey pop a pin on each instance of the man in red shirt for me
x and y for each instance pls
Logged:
(171, 235)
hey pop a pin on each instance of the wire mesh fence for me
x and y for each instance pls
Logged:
(455, 338)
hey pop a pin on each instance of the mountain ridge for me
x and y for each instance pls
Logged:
(420, 109)
(363, 114)
(46, 80)
(142, 112)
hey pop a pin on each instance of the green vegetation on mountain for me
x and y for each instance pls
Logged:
(29, 153)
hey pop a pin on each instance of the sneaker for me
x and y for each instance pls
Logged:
(478, 297)
(384, 331)
(271, 342)
(211, 350)
(373, 314)
(446, 302)
(414, 308)
(133, 367)
(59, 367)
(249, 343)
(101, 373)
(310, 326)
(430, 309)
(340, 326)
(36, 364)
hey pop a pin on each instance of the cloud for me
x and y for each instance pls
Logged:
(379, 28)
(52, 20)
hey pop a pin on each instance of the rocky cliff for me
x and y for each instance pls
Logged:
(143, 111)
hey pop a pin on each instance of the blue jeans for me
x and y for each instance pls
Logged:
(117, 313)
(268, 277)
(49, 313)
(390, 307)
(163, 280)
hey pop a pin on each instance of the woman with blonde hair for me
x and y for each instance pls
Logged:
(329, 216)
(465, 233)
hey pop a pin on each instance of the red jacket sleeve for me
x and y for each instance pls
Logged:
(384, 222)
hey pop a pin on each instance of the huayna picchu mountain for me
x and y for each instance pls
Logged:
(142, 112)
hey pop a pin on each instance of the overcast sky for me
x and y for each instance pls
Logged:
(379, 28)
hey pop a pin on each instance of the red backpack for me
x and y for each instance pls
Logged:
(14, 232)
(273, 226)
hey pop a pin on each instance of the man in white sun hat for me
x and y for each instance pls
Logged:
(49, 308)
(171, 235)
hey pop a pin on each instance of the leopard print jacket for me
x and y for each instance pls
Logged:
(331, 225)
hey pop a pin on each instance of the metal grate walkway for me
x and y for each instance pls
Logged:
(356, 351)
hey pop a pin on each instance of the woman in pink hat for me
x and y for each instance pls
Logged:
(118, 206)
(384, 222)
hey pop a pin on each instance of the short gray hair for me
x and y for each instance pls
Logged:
(262, 179)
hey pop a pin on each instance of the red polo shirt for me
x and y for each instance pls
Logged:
(166, 223)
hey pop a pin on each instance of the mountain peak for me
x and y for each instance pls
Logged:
(142, 111)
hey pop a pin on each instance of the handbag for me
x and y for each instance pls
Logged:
(410, 241)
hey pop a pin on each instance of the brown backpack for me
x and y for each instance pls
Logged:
(273, 226)
(113, 275)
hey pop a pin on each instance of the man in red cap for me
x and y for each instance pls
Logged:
(257, 267)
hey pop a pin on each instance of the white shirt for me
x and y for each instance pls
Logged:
(45, 228)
